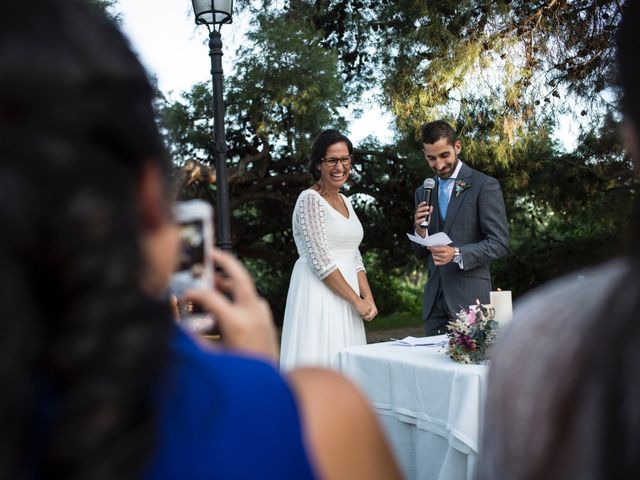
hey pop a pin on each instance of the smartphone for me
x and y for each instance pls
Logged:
(194, 266)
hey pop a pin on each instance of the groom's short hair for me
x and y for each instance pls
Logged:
(436, 130)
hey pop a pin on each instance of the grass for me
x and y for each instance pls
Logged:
(395, 320)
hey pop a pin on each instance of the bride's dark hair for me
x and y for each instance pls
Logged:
(79, 339)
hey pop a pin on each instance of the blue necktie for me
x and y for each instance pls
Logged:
(443, 197)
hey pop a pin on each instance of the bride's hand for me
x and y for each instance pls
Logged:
(374, 310)
(364, 309)
(245, 321)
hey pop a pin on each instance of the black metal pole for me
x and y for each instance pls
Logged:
(223, 227)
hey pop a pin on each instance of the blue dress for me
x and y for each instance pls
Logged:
(224, 416)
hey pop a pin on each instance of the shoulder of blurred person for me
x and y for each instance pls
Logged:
(234, 410)
(343, 432)
(311, 424)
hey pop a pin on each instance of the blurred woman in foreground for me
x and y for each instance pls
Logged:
(97, 381)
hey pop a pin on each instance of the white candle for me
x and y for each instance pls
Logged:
(501, 301)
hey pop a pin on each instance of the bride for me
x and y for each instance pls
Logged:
(329, 294)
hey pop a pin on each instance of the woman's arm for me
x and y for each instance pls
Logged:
(244, 318)
(365, 291)
(338, 285)
(342, 432)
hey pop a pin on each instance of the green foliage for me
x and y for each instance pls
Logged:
(294, 86)
(521, 60)
(272, 284)
(394, 321)
(395, 289)
(188, 125)
(566, 211)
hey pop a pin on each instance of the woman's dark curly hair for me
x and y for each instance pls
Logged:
(79, 338)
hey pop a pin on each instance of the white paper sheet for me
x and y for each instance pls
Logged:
(439, 239)
(434, 341)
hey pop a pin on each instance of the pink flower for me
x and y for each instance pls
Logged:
(471, 317)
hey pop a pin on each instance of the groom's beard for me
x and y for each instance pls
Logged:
(448, 170)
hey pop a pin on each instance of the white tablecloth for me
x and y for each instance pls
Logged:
(429, 405)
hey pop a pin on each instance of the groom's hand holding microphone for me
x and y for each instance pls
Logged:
(424, 210)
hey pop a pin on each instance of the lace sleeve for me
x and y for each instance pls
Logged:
(359, 263)
(311, 217)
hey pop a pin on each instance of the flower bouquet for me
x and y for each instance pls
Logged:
(471, 334)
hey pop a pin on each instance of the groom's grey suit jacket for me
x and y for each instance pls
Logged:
(476, 222)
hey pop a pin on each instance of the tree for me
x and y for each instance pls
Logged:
(568, 210)
(516, 57)
(501, 72)
(285, 89)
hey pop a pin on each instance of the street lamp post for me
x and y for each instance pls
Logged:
(215, 13)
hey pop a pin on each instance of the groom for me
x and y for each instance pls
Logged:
(468, 206)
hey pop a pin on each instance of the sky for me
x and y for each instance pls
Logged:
(175, 51)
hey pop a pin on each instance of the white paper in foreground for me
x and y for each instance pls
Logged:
(439, 239)
(435, 341)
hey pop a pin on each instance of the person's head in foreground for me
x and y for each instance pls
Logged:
(563, 401)
(82, 189)
(97, 381)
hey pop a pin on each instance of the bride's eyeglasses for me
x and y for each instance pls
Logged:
(333, 161)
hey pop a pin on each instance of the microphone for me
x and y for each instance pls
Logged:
(429, 184)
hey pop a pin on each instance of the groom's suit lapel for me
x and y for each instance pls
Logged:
(456, 200)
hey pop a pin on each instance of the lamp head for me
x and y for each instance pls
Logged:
(212, 12)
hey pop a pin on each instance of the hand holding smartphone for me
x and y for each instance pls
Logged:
(194, 267)
(244, 318)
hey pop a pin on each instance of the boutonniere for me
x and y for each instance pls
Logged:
(461, 186)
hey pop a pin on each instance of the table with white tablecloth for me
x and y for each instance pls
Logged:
(430, 406)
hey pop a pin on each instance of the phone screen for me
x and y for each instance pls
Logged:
(193, 267)
(190, 270)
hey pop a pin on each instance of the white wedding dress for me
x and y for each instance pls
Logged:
(317, 322)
